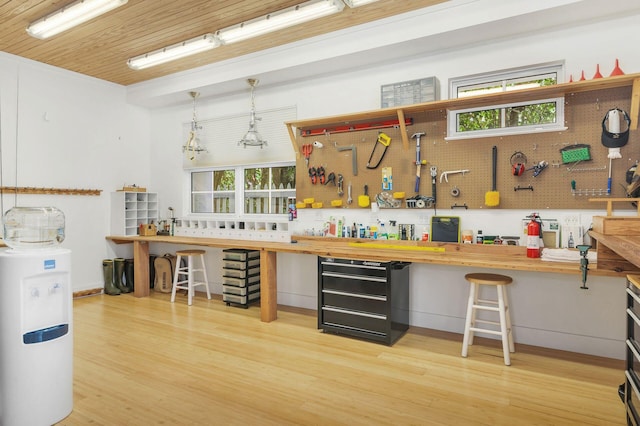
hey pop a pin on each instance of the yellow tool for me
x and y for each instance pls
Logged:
(397, 247)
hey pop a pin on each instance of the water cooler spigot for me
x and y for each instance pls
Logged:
(584, 263)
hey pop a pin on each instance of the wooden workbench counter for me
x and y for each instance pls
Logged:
(472, 255)
(468, 255)
(618, 252)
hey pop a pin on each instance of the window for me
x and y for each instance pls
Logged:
(213, 191)
(266, 189)
(247, 189)
(514, 118)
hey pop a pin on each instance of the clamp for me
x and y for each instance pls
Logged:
(445, 175)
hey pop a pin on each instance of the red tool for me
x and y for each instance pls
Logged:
(307, 149)
(312, 175)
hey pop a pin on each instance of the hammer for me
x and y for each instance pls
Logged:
(419, 163)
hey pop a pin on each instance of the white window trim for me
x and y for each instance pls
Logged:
(509, 74)
(452, 122)
(239, 192)
(556, 67)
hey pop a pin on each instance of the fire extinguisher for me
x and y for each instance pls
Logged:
(533, 237)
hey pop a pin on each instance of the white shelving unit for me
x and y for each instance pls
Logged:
(129, 210)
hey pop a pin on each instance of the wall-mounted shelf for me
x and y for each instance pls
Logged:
(49, 191)
(545, 92)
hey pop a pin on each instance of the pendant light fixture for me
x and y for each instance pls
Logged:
(252, 137)
(71, 15)
(192, 147)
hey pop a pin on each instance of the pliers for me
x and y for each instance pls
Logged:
(313, 175)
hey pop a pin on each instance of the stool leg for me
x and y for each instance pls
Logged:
(175, 279)
(190, 279)
(204, 274)
(507, 307)
(468, 334)
(503, 325)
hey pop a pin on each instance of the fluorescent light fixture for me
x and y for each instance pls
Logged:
(69, 16)
(356, 3)
(176, 51)
(284, 18)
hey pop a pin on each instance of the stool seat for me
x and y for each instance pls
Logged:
(500, 306)
(488, 279)
(189, 252)
(185, 276)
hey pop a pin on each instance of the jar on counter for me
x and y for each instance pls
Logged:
(479, 238)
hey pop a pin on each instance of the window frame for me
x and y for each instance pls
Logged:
(239, 191)
(502, 79)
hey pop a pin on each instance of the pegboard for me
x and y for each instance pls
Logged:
(552, 188)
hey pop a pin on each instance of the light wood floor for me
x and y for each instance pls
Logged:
(145, 361)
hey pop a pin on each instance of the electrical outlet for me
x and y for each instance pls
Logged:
(572, 220)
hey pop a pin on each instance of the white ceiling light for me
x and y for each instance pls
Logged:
(356, 3)
(176, 51)
(69, 16)
(284, 18)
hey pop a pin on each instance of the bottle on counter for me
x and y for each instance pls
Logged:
(479, 237)
(571, 243)
(393, 230)
(382, 233)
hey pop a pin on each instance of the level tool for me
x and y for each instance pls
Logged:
(396, 247)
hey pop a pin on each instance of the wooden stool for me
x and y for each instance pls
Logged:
(188, 273)
(501, 306)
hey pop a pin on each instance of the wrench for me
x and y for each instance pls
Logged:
(349, 199)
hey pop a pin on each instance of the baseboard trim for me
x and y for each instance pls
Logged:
(85, 293)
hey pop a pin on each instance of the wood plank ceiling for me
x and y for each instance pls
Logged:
(101, 47)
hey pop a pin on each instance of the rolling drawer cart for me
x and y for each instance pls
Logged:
(241, 277)
(368, 300)
(632, 372)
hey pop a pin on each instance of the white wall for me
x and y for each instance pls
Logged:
(548, 309)
(66, 130)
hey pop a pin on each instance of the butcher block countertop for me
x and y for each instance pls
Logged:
(625, 246)
(454, 254)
